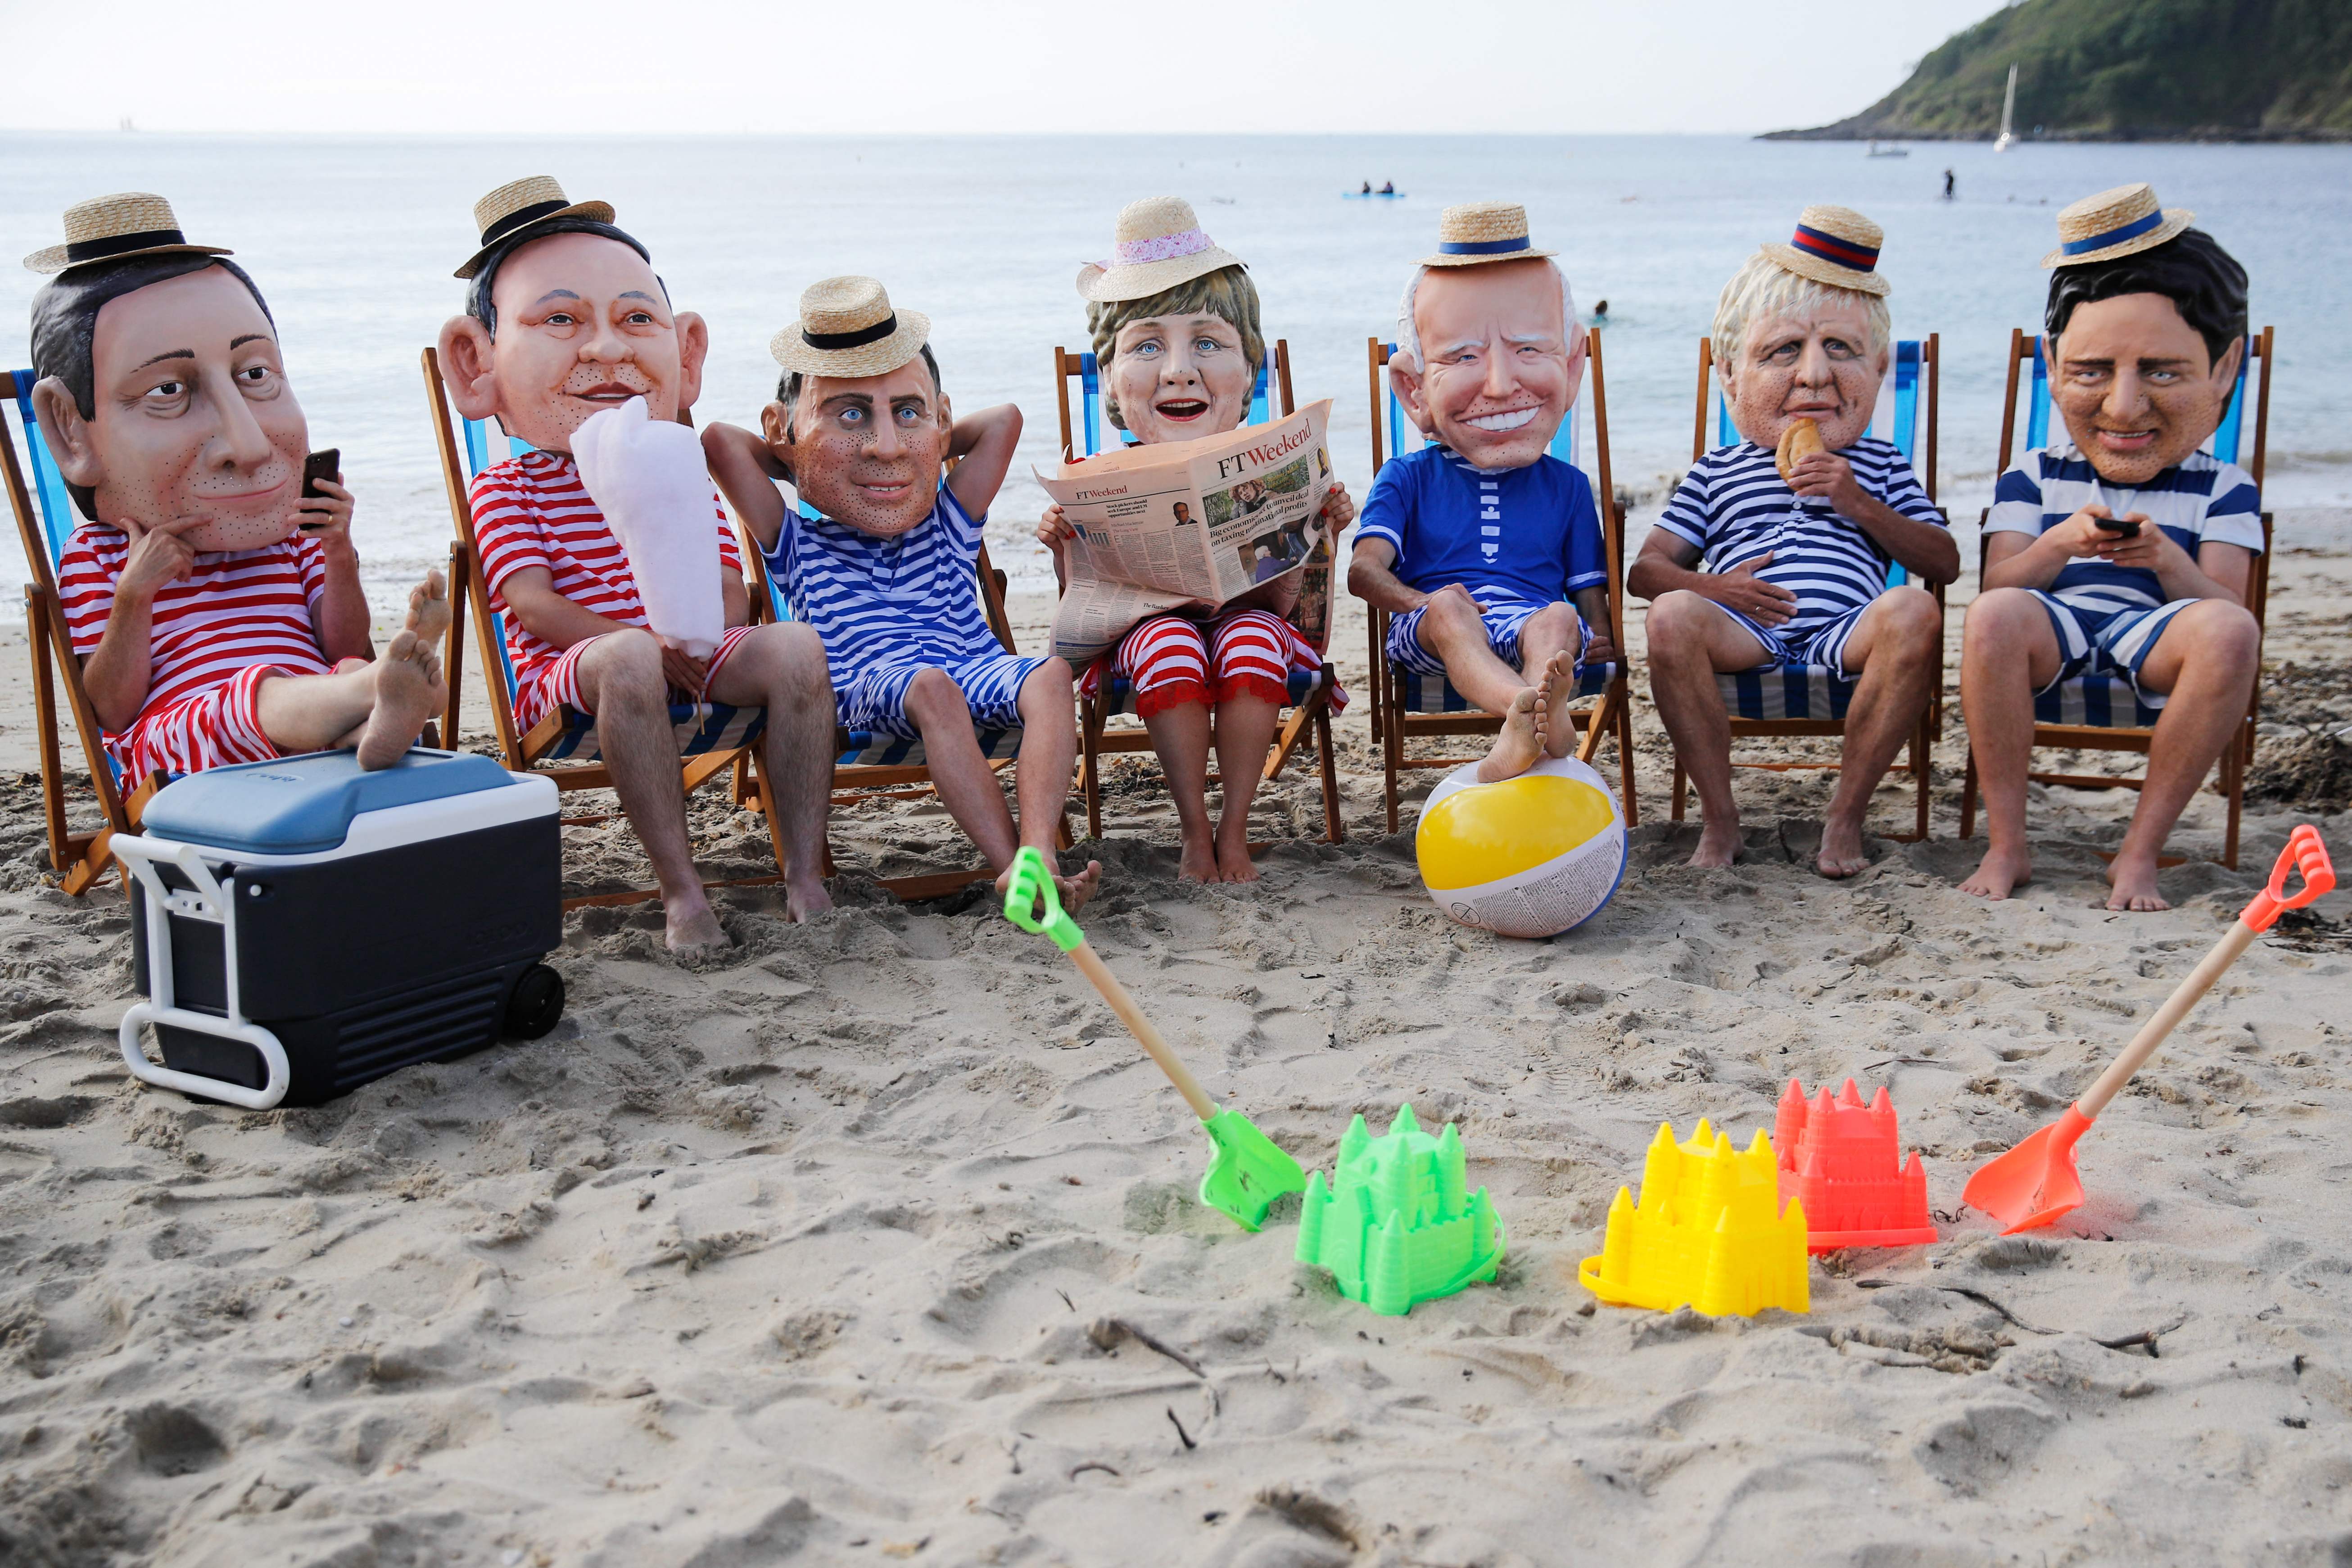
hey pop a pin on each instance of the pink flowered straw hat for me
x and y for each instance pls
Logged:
(1157, 245)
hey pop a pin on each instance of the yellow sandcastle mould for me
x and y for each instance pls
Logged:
(1709, 1233)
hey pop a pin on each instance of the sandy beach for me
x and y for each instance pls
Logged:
(875, 1239)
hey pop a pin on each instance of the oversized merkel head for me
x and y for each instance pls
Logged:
(859, 419)
(1801, 332)
(1174, 320)
(2145, 331)
(1489, 352)
(565, 318)
(161, 394)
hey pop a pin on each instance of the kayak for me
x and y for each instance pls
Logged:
(1372, 195)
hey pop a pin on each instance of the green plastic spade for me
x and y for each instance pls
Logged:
(1249, 1170)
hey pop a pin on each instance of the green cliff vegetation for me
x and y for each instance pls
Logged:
(2130, 71)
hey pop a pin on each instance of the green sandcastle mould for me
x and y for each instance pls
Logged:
(1394, 1226)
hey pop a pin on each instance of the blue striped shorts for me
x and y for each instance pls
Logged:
(1808, 642)
(2107, 642)
(1504, 618)
(875, 702)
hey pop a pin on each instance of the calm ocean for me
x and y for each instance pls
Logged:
(353, 240)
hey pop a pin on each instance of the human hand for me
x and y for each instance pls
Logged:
(1055, 529)
(158, 556)
(684, 672)
(1766, 604)
(326, 517)
(1825, 475)
(1338, 511)
(2082, 538)
(1600, 649)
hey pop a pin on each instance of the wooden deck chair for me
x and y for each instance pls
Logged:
(869, 765)
(2101, 712)
(712, 737)
(1309, 697)
(1407, 705)
(1810, 700)
(45, 521)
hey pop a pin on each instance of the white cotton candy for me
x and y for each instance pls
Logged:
(647, 478)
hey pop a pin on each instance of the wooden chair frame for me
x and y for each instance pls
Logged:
(527, 752)
(2239, 754)
(79, 858)
(1097, 740)
(1611, 714)
(1931, 727)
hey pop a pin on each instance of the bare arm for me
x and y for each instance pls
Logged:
(1593, 604)
(986, 442)
(1372, 577)
(116, 672)
(747, 472)
(549, 616)
(340, 620)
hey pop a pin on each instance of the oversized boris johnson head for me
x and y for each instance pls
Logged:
(1174, 320)
(1801, 332)
(859, 420)
(160, 393)
(565, 318)
(2144, 333)
(1489, 352)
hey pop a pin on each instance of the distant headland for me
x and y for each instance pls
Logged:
(2127, 70)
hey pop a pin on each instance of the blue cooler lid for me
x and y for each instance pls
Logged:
(303, 805)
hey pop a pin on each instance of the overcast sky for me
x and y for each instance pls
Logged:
(604, 67)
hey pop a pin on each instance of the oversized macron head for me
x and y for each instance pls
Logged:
(2144, 333)
(161, 395)
(1801, 332)
(859, 419)
(1489, 352)
(565, 318)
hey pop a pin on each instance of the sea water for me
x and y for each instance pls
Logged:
(354, 239)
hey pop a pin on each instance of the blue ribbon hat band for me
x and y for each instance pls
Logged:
(2131, 230)
(1483, 247)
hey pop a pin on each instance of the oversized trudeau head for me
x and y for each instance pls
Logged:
(565, 318)
(160, 393)
(859, 419)
(2144, 333)
(1489, 352)
(1801, 332)
(1175, 324)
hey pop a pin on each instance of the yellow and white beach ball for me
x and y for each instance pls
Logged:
(1529, 857)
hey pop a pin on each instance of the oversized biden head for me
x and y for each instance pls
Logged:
(161, 395)
(565, 318)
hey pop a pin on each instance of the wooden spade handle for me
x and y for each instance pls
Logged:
(2176, 1007)
(1091, 964)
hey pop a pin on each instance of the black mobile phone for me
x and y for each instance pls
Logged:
(2125, 526)
(327, 464)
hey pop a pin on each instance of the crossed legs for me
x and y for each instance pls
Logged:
(2204, 661)
(1535, 722)
(378, 707)
(967, 785)
(1893, 645)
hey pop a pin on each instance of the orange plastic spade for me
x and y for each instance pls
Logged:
(2035, 1183)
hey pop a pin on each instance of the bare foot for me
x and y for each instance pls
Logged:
(1519, 746)
(1718, 845)
(1198, 860)
(689, 931)
(805, 898)
(1076, 890)
(408, 692)
(1553, 726)
(428, 610)
(1841, 854)
(1998, 874)
(1234, 862)
(2133, 881)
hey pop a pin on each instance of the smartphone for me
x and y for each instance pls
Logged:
(327, 466)
(2123, 527)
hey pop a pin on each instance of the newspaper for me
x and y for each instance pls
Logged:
(1187, 524)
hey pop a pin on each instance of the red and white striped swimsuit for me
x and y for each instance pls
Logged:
(1171, 660)
(239, 618)
(534, 510)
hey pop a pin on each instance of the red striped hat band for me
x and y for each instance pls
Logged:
(1829, 248)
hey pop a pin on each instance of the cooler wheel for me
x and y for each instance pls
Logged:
(535, 1004)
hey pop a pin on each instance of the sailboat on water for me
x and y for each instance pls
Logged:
(2008, 137)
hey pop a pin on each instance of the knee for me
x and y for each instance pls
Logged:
(629, 668)
(1999, 614)
(1449, 612)
(1556, 623)
(933, 692)
(1676, 623)
(1054, 678)
(797, 644)
(2226, 633)
(1915, 617)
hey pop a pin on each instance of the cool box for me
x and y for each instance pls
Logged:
(301, 927)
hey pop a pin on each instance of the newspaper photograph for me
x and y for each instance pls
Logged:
(1187, 524)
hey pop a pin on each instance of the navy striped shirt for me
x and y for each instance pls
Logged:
(1733, 506)
(913, 598)
(2202, 499)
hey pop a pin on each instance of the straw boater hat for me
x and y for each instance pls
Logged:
(1836, 246)
(1475, 232)
(107, 228)
(1157, 244)
(2115, 223)
(848, 328)
(528, 202)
